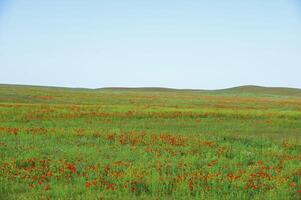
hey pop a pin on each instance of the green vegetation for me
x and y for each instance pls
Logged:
(239, 143)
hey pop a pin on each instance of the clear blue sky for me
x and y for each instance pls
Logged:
(164, 43)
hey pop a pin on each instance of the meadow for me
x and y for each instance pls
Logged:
(150, 143)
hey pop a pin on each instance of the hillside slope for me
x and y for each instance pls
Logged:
(259, 90)
(42, 94)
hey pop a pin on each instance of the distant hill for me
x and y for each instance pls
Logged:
(247, 90)
(259, 90)
(16, 86)
(26, 93)
(156, 89)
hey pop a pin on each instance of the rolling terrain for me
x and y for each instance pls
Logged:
(150, 143)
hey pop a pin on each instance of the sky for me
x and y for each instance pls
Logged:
(194, 44)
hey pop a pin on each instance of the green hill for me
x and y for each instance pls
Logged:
(262, 91)
(36, 94)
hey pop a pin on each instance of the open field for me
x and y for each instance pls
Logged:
(240, 143)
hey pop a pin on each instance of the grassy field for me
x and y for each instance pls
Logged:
(150, 143)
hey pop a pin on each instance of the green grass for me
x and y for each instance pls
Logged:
(150, 143)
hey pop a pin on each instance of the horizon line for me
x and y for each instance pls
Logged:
(146, 87)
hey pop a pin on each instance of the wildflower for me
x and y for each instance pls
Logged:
(190, 185)
(71, 167)
(87, 184)
(111, 186)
